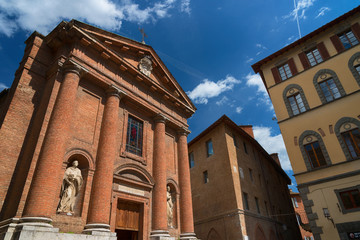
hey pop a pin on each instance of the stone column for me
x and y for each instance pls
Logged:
(186, 210)
(100, 200)
(159, 220)
(40, 204)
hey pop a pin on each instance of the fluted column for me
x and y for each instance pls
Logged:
(99, 208)
(186, 210)
(40, 201)
(159, 220)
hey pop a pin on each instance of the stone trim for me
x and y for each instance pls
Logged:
(343, 210)
(308, 203)
(355, 57)
(322, 147)
(316, 230)
(287, 104)
(344, 228)
(338, 134)
(332, 178)
(336, 81)
(312, 216)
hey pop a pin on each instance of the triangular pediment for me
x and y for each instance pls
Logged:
(138, 57)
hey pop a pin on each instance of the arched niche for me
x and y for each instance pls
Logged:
(86, 166)
(173, 197)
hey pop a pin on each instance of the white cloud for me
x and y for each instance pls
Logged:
(185, 6)
(238, 109)
(254, 80)
(258, 45)
(3, 86)
(209, 89)
(272, 144)
(249, 60)
(222, 101)
(43, 15)
(321, 11)
(300, 9)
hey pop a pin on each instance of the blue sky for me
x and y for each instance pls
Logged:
(208, 45)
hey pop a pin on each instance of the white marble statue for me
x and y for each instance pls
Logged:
(70, 188)
(170, 206)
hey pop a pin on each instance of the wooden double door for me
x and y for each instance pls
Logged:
(128, 220)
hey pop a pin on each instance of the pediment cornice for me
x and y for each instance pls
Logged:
(112, 47)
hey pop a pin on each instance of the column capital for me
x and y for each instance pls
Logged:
(114, 91)
(72, 66)
(160, 118)
(183, 131)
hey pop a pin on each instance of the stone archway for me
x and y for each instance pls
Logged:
(213, 235)
(259, 234)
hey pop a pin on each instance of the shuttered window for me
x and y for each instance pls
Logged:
(346, 39)
(284, 71)
(314, 57)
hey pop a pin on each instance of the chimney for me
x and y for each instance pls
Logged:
(276, 158)
(248, 129)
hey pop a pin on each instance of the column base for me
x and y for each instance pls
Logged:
(160, 235)
(14, 229)
(92, 228)
(36, 222)
(188, 236)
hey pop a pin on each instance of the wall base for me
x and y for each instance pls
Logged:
(13, 230)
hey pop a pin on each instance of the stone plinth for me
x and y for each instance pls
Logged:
(12, 229)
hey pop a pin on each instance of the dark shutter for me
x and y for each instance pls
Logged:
(276, 74)
(303, 60)
(292, 66)
(337, 43)
(356, 30)
(323, 51)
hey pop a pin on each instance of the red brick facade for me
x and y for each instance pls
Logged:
(72, 98)
(245, 195)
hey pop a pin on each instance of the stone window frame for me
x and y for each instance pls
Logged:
(123, 153)
(355, 73)
(209, 148)
(322, 147)
(205, 177)
(343, 209)
(286, 100)
(338, 125)
(191, 160)
(337, 82)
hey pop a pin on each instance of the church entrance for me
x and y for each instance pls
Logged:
(128, 216)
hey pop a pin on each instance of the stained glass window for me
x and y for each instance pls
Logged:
(134, 138)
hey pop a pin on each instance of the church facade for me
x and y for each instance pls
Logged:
(93, 141)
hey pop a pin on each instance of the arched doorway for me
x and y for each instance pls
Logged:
(213, 235)
(259, 234)
(130, 203)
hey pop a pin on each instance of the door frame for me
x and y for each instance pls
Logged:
(144, 211)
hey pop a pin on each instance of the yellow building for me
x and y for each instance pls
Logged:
(314, 84)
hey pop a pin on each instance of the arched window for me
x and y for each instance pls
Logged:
(295, 100)
(348, 134)
(313, 150)
(328, 86)
(354, 66)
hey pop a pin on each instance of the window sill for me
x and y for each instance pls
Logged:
(135, 157)
(345, 50)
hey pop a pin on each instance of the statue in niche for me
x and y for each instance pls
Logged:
(170, 206)
(145, 65)
(70, 188)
